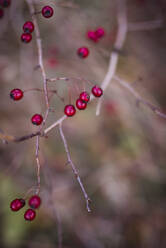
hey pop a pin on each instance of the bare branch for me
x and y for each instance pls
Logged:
(26, 137)
(56, 123)
(75, 171)
(149, 25)
(38, 165)
(120, 39)
(139, 99)
(39, 48)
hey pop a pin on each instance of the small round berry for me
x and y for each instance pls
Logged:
(81, 105)
(83, 52)
(1, 13)
(97, 91)
(34, 201)
(28, 27)
(17, 204)
(92, 36)
(100, 32)
(26, 37)
(37, 119)
(30, 214)
(84, 96)
(69, 110)
(16, 94)
(5, 3)
(47, 11)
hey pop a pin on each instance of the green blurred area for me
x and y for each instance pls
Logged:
(120, 154)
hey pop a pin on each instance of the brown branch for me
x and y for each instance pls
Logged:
(75, 171)
(148, 25)
(139, 99)
(10, 138)
(114, 56)
(39, 48)
(26, 137)
(41, 64)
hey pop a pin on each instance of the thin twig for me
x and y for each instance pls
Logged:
(26, 137)
(56, 123)
(141, 26)
(41, 64)
(49, 91)
(139, 99)
(37, 152)
(120, 39)
(75, 171)
(38, 165)
(39, 48)
(50, 182)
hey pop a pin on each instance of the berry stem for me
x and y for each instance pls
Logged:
(49, 91)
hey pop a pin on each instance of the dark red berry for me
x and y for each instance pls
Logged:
(100, 32)
(17, 204)
(16, 94)
(97, 91)
(28, 27)
(69, 110)
(47, 11)
(26, 37)
(1, 13)
(5, 3)
(81, 105)
(34, 201)
(30, 214)
(92, 35)
(83, 52)
(84, 96)
(37, 119)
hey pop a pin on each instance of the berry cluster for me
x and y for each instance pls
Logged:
(34, 203)
(81, 102)
(96, 35)
(16, 95)
(83, 52)
(4, 4)
(28, 26)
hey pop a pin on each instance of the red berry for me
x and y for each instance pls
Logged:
(100, 32)
(83, 52)
(34, 201)
(17, 204)
(69, 110)
(47, 11)
(92, 35)
(97, 91)
(30, 214)
(1, 13)
(37, 119)
(26, 37)
(84, 96)
(81, 105)
(16, 94)
(28, 27)
(5, 3)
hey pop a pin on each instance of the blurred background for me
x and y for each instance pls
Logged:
(120, 154)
